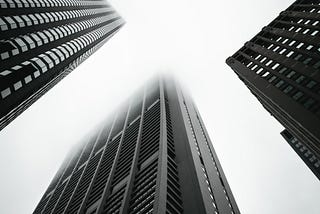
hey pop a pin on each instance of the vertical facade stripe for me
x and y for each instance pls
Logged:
(134, 168)
(106, 141)
(106, 191)
(161, 189)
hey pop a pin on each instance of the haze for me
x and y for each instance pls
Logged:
(191, 39)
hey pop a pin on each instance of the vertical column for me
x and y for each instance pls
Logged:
(71, 183)
(230, 203)
(134, 167)
(161, 184)
(86, 178)
(106, 191)
(109, 153)
(87, 163)
(208, 160)
(202, 180)
(186, 157)
(103, 143)
(174, 202)
(144, 185)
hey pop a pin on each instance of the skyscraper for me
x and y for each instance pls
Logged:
(43, 41)
(280, 66)
(153, 156)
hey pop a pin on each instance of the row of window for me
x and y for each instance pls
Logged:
(299, 87)
(46, 3)
(307, 54)
(295, 34)
(303, 25)
(30, 41)
(20, 21)
(286, 54)
(51, 58)
(306, 153)
(310, 6)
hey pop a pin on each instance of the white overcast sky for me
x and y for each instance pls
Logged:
(191, 39)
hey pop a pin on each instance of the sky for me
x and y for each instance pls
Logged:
(191, 40)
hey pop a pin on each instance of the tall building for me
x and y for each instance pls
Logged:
(41, 41)
(280, 66)
(153, 155)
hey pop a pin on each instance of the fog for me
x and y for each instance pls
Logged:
(190, 39)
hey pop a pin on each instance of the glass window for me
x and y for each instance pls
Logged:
(6, 92)
(17, 85)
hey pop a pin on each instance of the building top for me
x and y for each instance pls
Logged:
(281, 67)
(43, 41)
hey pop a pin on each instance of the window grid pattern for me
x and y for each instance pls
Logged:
(41, 204)
(306, 154)
(120, 177)
(150, 134)
(286, 54)
(56, 183)
(46, 3)
(66, 196)
(55, 197)
(14, 22)
(72, 173)
(281, 65)
(103, 137)
(82, 189)
(143, 193)
(25, 104)
(38, 45)
(29, 69)
(34, 40)
(66, 172)
(103, 172)
(126, 153)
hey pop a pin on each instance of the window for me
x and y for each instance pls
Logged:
(6, 92)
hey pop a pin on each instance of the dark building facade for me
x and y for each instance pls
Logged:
(43, 41)
(305, 154)
(280, 66)
(153, 155)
